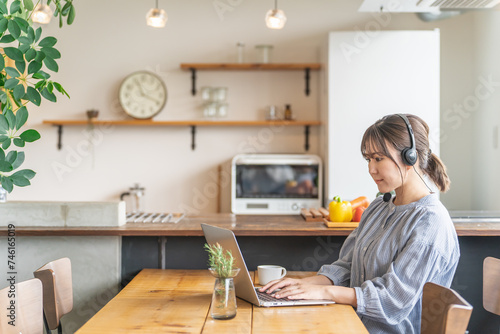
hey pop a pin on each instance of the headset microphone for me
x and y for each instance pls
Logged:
(387, 197)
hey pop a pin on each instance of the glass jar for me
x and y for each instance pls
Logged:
(222, 110)
(264, 53)
(224, 296)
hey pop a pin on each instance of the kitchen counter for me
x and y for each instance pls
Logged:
(244, 225)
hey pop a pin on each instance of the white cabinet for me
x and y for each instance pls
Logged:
(366, 76)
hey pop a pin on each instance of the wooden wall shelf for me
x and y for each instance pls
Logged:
(306, 67)
(191, 123)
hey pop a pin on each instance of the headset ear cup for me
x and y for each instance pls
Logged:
(409, 156)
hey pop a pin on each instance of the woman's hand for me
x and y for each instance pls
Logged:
(292, 288)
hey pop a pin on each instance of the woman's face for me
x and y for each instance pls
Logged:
(384, 171)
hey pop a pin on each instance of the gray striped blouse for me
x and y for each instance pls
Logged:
(390, 256)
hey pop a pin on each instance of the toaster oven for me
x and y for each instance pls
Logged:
(275, 183)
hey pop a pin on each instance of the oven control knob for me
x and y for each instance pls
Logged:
(295, 206)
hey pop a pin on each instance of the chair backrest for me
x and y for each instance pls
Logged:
(444, 311)
(21, 306)
(491, 285)
(57, 290)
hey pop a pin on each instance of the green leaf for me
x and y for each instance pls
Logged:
(3, 24)
(23, 24)
(50, 87)
(65, 9)
(12, 72)
(48, 42)
(71, 15)
(40, 84)
(19, 142)
(11, 157)
(34, 67)
(7, 183)
(11, 83)
(39, 56)
(30, 54)
(31, 35)
(15, 6)
(14, 53)
(52, 53)
(48, 95)
(28, 4)
(6, 143)
(19, 160)
(38, 33)
(27, 173)
(2, 63)
(7, 39)
(14, 28)
(19, 180)
(41, 75)
(4, 125)
(51, 64)
(34, 96)
(30, 135)
(24, 40)
(19, 94)
(5, 166)
(3, 96)
(21, 66)
(2, 154)
(3, 8)
(11, 119)
(24, 47)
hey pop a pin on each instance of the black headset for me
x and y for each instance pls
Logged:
(409, 154)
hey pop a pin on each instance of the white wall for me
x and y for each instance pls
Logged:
(110, 39)
(483, 111)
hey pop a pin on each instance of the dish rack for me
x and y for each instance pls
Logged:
(145, 217)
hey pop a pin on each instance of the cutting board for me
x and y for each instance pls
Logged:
(322, 215)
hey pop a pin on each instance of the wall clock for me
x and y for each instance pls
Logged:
(143, 95)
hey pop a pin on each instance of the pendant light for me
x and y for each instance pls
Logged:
(156, 17)
(275, 18)
(42, 14)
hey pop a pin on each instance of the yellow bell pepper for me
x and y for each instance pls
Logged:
(340, 211)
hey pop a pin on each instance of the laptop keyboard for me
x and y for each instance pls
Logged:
(268, 298)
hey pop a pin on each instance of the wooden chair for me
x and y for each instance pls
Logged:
(57, 291)
(28, 313)
(444, 311)
(491, 285)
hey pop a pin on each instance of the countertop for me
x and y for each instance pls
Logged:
(246, 225)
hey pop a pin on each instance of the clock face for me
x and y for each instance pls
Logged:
(143, 95)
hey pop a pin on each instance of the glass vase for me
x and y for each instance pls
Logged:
(224, 296)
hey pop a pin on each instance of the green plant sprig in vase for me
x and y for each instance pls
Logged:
(220, 262)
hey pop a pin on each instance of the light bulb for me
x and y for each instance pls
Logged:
(275, 19)
(156, 18)
(42, 14)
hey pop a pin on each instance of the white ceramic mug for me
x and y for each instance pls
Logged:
(268, 273)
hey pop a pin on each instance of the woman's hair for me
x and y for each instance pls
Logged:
(392, 129)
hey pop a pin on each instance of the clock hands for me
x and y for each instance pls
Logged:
(143, 94)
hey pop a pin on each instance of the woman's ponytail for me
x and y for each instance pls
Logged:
(436, 170)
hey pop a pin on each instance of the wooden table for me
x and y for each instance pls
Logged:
(164, 301)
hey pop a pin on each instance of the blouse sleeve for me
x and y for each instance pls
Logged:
(390, 298)
(339, 272)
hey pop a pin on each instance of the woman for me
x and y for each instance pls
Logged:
(402, 241)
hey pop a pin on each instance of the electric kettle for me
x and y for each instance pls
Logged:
(136, 198)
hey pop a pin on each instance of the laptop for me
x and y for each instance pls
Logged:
(243, 282)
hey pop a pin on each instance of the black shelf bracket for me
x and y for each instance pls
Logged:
(193, 81)
(193, 137)
(306, 132)
(59, 136)
(308, 77)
